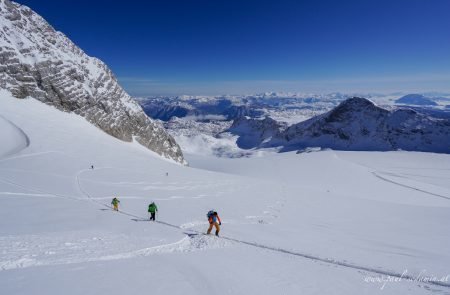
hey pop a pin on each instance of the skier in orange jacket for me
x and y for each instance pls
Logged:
(214, 221)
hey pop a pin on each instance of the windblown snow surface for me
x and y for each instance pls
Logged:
(313, 223)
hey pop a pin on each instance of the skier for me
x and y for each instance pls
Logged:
(92, 167)
(214, 220)
(152, 209)
(115, 202)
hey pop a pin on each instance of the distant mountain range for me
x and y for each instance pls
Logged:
(164, 108)
(296, 122)
(231, 107)
(276, 105)
(355, 124)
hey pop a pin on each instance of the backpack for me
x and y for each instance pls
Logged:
(210, 214)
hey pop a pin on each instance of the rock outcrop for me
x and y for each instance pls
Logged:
(255, 132)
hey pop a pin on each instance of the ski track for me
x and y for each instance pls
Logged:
(346, 264)
(200, 242)
(29, 155)
(407, 175)
(52, 250)
(16, 149)
(27, 195)
(377, 173)
(374, 270)
(39, 191)
(75, 252)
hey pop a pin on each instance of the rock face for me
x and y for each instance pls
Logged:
(255, 132)
(37, 61)
(358, 124)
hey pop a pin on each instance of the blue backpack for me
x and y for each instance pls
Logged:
(210, 214)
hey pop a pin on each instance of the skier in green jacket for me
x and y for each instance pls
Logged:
(115, 202)
(152, 209)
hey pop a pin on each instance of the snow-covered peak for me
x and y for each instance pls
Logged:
(354, 107)
(355, 124)
(356, 103)
(40, 62)
(358, 124)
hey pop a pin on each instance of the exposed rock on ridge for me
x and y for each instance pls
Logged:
(37, 61)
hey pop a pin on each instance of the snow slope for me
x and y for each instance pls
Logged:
(317, 223)
(13, 138)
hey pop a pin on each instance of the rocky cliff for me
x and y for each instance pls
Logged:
(37, 61)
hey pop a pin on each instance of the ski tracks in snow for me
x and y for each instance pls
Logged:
(40, 193)
(196, 240)
(15, 139)
(26, 255)
(33, 250)
(384, 177)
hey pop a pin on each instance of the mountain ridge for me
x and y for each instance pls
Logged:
(38, 61)
(359, 124)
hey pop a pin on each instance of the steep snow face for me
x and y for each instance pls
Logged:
(40, 62)
(358, 124)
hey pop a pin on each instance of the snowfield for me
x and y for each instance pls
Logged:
(322, 222)
(13, 138)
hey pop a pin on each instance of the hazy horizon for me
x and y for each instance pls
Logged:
(139, 87)
(212, 48)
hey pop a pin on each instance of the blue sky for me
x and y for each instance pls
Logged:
(217, 47)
